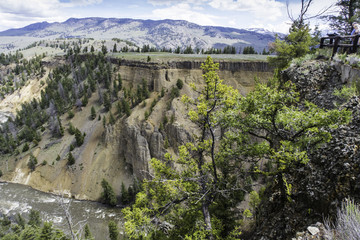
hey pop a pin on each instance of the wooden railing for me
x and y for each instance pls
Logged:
(350, 43)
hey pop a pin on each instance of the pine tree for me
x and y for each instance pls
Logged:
(113, 231)
(87, 232)
(71, 159)
(108, 194)
(93, 113)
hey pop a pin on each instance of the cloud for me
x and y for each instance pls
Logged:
(184, 11)
(33, 8)
(172, 2)
(15, 13)
(268, 9)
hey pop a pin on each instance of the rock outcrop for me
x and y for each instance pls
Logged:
(332, 173)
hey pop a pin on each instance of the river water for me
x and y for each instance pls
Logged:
(16, 198)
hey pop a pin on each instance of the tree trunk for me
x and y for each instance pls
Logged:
(207, 218)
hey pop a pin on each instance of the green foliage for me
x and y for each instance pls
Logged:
(71, 114)
(175, 92)
(32, 162)
(179, 84)
(87, 233)
(26, 147)
(346, 92)
(290, 128)
(34, 218)
(249, 50)
(79, 137)
(113, 231)
(32, 231)
(108, 194)
(125, 196)
(93, 113)
(71, 159)
(254, 200)
(184, 195)
(71, 129)
(111, 119)
(347, 222)
(107, 102)
(348, 14)
(295, 45)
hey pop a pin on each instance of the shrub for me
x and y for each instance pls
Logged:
(71, 114)
(179, 84)
(26, 147)
(347, 224)
(71, 129)
(175, 92)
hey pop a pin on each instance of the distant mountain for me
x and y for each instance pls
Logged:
(162, 33)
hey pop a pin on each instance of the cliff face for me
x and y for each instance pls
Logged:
(121, 153)
(163, 75)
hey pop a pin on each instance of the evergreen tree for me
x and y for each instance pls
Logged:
(93, 113)
(32, 162)
(71, 159)
(107, 102)
(297, 44)
(34, 218)
(113, 231)
(87, 232)
(184, 196)
(108, 194)
(349, 13)
(79, 137)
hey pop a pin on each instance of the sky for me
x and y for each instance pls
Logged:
(268, 14)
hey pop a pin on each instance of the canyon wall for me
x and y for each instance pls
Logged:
(121, 153)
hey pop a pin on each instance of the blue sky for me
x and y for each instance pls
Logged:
(268, 14)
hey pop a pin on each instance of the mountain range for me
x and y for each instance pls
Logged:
(161, 33)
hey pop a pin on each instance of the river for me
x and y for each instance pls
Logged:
(16, 198)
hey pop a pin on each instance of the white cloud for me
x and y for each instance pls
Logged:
(15, 13)
(265, 9)
(171, 2)
(32, 8)
(184, 11)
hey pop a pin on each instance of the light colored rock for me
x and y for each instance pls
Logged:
(313, 230)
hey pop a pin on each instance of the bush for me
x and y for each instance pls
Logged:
(71, 129)
(26, 147)
(347, 224)
(71, 114)
(179, 84)
(1, 173)
(175, 92)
